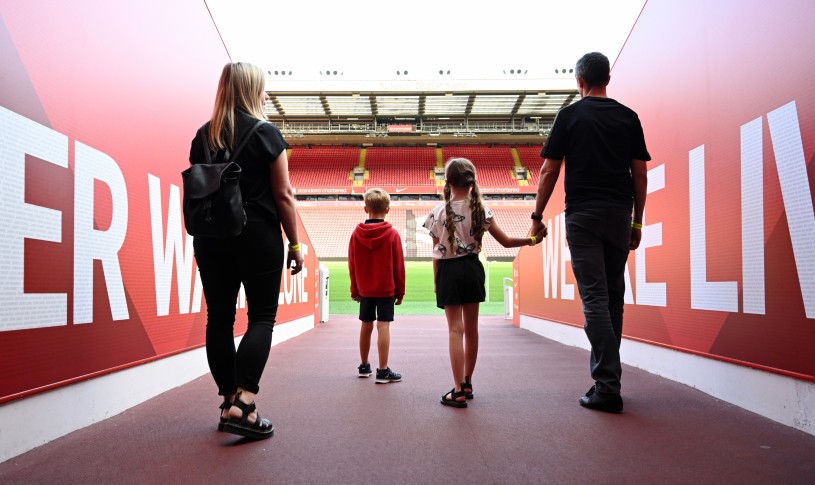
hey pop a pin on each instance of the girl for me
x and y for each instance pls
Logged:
(457, 227)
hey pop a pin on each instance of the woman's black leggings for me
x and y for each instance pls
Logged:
(254, 258)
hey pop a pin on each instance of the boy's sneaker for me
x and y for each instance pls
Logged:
(364, 370)
(386, 375)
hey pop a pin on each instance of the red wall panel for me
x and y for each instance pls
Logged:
(99, 102)
(724, 91)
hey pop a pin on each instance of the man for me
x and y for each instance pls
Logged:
(604, 149)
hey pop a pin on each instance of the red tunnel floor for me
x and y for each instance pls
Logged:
(524, 425)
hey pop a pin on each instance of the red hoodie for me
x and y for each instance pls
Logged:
(375, 261)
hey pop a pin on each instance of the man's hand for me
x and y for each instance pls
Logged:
(636, 236)
(538, 230)
(398, 301)
(355, 298)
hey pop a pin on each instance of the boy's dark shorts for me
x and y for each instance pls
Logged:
(376, 309)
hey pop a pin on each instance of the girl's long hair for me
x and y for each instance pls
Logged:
(460, 173)
(241, 87)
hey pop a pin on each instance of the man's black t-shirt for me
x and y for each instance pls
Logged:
(598, 137)
(255, 160)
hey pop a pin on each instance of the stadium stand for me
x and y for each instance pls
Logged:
(530, 158)
(322, 166)
(330, 228)
(331, 223)
(515, 222)
(409, 166)
(493, 163)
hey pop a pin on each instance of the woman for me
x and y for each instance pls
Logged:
(254, 257)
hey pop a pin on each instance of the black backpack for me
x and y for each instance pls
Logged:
(213, 205)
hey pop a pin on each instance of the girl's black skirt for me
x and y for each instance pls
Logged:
(460, 281)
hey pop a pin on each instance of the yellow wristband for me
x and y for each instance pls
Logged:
(534, 240)
(294, 247)
(636, 225)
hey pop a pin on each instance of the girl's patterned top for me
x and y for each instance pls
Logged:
(465, 242)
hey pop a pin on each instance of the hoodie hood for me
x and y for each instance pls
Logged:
(373, 235)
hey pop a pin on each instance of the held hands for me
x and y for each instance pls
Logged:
(539, 231)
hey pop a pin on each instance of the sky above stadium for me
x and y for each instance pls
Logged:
(368, 39)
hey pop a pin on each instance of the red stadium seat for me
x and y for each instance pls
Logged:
(322, 166)
(494, 165)
(530, 158)
(404, 166)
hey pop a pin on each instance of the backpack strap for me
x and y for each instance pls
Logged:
(243, 141)
(202, 135)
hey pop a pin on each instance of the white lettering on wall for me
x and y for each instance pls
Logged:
(566, 289)
(551, 247)
(198, 294)
(176, 248)
(752, 217)
(241, 297)
(294, 290)
(785, 132)
(628, 297)
(704, 294)
(19, 137)
(91, 244)
(650, 293)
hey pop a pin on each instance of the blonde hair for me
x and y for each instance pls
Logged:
(241, 87)
(377, 200)
(460, 173)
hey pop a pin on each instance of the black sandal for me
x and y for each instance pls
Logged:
(221, 419)
(467, 388)
(452, 401)
(259, 430)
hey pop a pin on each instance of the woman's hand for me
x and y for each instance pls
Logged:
(295, 257)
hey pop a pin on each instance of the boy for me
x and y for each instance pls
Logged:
(377, 268)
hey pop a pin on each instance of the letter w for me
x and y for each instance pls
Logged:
(551, 259)
(163, 253)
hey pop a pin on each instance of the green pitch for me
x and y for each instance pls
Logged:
(419, 296)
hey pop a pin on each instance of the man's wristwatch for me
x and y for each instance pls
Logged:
(536, 217)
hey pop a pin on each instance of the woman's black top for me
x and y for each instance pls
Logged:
(256, 159)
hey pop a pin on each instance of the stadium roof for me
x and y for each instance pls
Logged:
(416, 105)
(347, 72)
(416, 117)
(412, 110)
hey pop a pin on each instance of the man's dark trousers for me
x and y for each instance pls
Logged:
(599, 243)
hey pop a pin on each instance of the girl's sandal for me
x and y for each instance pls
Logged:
(259, 430)
(453, 396)
(467, 388)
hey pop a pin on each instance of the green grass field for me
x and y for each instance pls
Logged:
(419, 296)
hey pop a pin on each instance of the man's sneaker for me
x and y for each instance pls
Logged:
(364, 370)
(386, 375)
